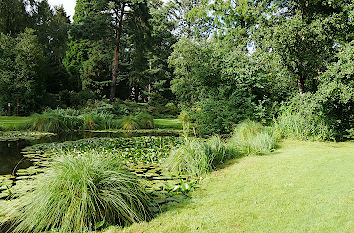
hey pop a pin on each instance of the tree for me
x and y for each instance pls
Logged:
(21, 71)
(13, 17)
(52, 27)
(303, 35)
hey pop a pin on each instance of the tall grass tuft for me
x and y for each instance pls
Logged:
(301, 125)
(251, 137)
(197, 157)
(130, 123)
(145, 120)
(98, 120)
(55, 123)
(61, 120)
(78, 193)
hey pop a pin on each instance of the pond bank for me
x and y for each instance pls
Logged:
(301, 187)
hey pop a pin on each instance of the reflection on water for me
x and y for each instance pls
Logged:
(10, 151)
(11, 158)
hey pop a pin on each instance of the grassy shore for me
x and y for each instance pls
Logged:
(302, 187)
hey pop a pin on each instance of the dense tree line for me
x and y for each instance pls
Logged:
(223, 60)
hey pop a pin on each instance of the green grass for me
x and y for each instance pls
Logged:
(250, 137)
(197, 157)
(82, 192)
(168, 123)
(13, 122)
(302, 187)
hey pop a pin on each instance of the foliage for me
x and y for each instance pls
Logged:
(61, 120)
(326, 114)
(80, 191)
(251, 137)
(55, 122)
(221, 88)
(21, 73)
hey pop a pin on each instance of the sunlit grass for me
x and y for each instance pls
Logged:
(302, 187)
(13, 122)
(168, 123)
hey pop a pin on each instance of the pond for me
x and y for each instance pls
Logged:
(141, 153)
(12, 159)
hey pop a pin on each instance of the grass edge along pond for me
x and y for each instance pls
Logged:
(302, 187)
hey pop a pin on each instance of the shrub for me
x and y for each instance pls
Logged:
(325, 115)
(171, 109)
(196, 157)
(251, 137)
(80, 192)
(218, 151)
(61, 120)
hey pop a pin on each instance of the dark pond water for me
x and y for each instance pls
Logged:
(11, 158)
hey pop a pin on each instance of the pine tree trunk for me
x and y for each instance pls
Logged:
(116, 54)
(300, 83)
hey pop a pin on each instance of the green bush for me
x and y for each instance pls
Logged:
(61, 120)
(326, 114)
(218, 151)
(75, 99)
(78, 193)
(189, 158)
(197, 157)
(251, 137)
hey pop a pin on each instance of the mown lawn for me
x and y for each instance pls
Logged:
(168, 123)
(302, 187)
(13, 122)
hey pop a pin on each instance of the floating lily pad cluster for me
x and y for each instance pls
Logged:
(134, 149)
(17, 135)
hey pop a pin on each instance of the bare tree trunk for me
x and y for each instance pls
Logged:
(300, 83)
(116, 54)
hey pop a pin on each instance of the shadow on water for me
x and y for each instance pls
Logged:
(11, 158)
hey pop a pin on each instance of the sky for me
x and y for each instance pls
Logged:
(69, 5)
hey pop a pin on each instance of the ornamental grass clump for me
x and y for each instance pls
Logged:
(130, 123)
(145, 120)
(189, 158)
(55, 122)
(251, 137)
(78, 193)
(197, 157)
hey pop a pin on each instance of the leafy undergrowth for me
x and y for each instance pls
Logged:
(302, 187)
